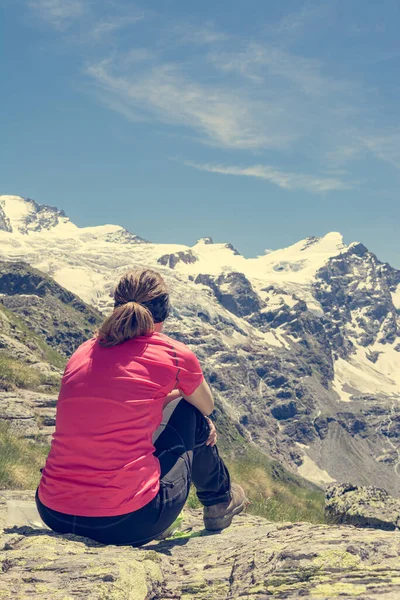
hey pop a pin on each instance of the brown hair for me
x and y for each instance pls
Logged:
(140, 300)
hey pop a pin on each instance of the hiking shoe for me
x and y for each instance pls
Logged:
(219, 516)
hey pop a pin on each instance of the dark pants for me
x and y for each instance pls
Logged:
(184, 458)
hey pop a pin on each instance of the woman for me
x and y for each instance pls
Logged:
(132, 430)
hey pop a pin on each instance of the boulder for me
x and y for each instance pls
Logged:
(362, 506)
(284, 410)
(29, 414)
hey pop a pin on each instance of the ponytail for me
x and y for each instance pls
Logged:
(134, 318)
(128, 321)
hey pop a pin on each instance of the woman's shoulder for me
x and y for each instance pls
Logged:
(89, 344)
(163, 338)
(79, 358)
(180, 350)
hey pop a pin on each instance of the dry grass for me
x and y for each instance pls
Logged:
(28, 337)
(15, 374)
(275, 494)
(20, 461)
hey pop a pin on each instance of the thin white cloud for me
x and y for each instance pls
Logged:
(216, 114)
(137, 55)
(263, 62)
(113, 24)
(385, 146)
(132, 114)
(296, 108)
(344, 153)
(367, 30)
(59, 13)
(284, 179)
(227, 92)
(201, 35)
(294, 23)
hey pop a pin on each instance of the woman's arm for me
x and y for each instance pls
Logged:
(201, 398)
(174, 395)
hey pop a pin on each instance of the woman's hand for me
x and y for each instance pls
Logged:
(212, 438)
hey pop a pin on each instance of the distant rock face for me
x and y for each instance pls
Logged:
(171, 260)
(232, 247)
(124, 237)
(205, 240)
(5, 224)
(253, 559)
(284, 410)
(362, 506)
(42, 217)
(355, 292)
(234, 292)
(62, 319)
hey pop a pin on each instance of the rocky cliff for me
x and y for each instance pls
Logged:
(41, 324)
(55, 314)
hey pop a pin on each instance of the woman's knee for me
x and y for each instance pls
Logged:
(181, 407)
(191, 413)
(188, 421)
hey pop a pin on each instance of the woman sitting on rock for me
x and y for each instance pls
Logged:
(132, 430)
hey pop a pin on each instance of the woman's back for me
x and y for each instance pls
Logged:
(110, 404)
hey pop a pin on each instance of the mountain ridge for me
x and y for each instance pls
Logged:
(301, 345)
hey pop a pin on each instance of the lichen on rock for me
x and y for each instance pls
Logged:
(362, 506)
(252, 560)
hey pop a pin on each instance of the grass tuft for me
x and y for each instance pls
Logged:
(20, 461)
(15, 374)
(275, 493)
(32, 340)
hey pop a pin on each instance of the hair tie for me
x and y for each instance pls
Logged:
(117, 304)
(159, 307)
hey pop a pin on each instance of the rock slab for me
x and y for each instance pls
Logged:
(252, 560)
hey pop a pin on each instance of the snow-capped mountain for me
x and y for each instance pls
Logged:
(301, 345)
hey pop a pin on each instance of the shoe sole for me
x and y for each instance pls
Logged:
(214, 524)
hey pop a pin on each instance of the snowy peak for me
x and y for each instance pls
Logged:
(301, 261)
(297, 264)
(208, 241)
(23, 215)
(205, 240)
(108, 233)
(311, 248)
(331, 242)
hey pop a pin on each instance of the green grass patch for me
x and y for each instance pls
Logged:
(51, 356)
(30, 338)
(274, 492)
(20, 461)
(15, 374)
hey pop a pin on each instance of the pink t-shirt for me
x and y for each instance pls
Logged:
(101, 461)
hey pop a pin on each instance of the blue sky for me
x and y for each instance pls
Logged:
(258, 123)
